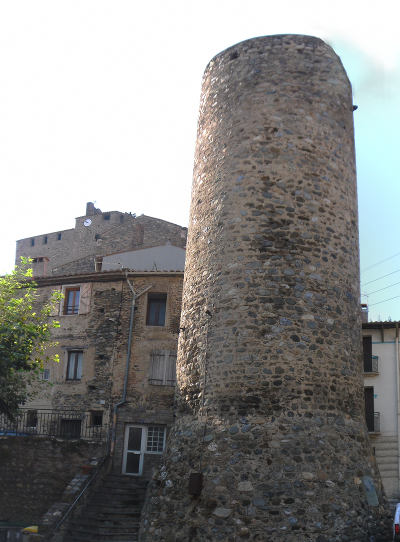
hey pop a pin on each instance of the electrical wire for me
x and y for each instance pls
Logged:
(383, 276)
(375, 264)
(395, 297)
(385, 288)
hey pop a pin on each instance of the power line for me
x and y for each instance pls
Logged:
(384, 288)
(375, 264)
(384, 301)
(380, 278)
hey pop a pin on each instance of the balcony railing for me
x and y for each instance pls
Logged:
(371, 364)
(373, 422)
(68, 424)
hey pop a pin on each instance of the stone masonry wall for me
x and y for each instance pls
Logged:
(34, 472)
(270, 397)
(78, 249)
(147, 404)
(73, 244)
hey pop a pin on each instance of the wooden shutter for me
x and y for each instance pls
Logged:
(84, 303)
(157, 368)
(170, 368)
(56, 309)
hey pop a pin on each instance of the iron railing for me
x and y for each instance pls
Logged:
(373, 420)
(370, 363)
(68, 424)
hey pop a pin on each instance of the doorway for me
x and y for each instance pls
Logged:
(141, 440)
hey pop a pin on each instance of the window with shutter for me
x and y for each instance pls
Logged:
(76, 299)
(56, 309)
(163, 368)
(74, 367)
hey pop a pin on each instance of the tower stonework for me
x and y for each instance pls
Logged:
(270, 403)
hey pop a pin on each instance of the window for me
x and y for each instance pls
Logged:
(32, 242)
(97, 419)
(163, 368)
(58, 236)
(76, 299)
(31, 418)
(45, 240)
(156, 307)
(155, 439)
(46, 374)
(74, 367)
(71, 300)
(106, 217)
(70, 428)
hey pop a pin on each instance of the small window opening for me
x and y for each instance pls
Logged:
(70, 428)
(74, 367)
(46, 374)
(31, 418)
(155, 439)
(71, 300)
(97, 419)
(156, 308)
(59, 237)
(106, 217)
(32, 242)
(45, 240)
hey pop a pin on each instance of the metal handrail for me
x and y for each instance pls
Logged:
(53, 423)
(80, 494)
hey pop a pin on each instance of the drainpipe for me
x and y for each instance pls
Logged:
(398, 399)
(117, 405)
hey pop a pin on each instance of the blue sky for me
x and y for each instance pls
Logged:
(99, 102)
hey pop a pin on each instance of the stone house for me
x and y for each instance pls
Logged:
(382, 398)
(121, 278)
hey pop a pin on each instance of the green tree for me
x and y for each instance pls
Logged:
(25, 333)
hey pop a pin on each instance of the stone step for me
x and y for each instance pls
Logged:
(113, 513)
(105, 523)
(121, 492)
(90, 533)
(111, 516)
(116, 503)
(132, 538)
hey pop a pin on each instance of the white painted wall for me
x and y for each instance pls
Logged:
(385, 395)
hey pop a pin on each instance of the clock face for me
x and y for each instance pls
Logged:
(87, 222)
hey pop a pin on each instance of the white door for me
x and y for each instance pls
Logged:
(134, 448)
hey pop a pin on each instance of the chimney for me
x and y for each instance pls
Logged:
(364, 313)
(90, 208)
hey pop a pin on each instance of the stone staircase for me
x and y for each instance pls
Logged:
(113, 513)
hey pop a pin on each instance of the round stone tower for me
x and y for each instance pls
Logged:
(270, 403)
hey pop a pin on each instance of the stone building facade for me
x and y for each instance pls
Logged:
(101, 347)
(270, 441)
(96, 234)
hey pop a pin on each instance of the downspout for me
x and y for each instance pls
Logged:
(398, 399)
(128, 355)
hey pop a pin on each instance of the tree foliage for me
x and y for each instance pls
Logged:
(25, 333)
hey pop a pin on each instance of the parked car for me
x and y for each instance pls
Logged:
(396, 524)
